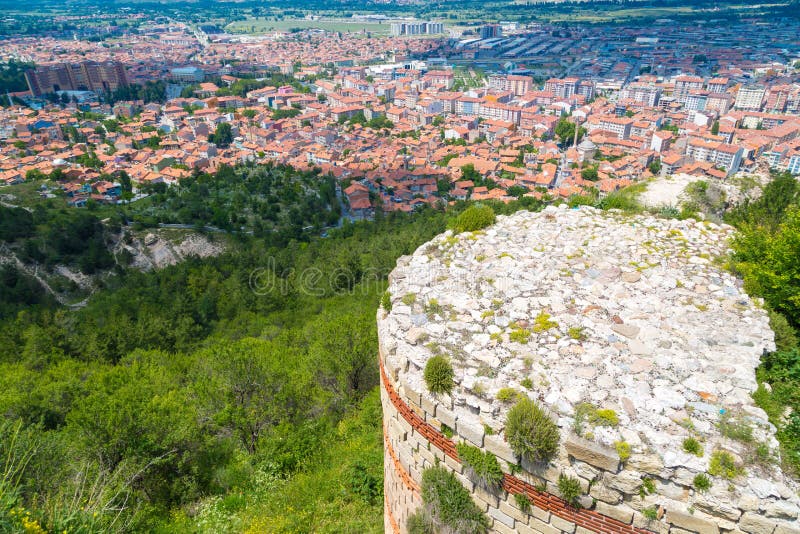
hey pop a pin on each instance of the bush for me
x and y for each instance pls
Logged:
(702, 482)
(692, 446)
(507, 394)
(420, 522)
(623, 450)
(785, 337)
(523, 503)
(481, 466)
(605, 418)
(473, 218)
(723, 465)
(530, 432)
(450, 505)
(527, 383)
(386, 301)
(569, 488)
(439, 375)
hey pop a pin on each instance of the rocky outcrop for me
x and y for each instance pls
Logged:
(628, 330)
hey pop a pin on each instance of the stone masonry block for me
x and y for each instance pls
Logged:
(562, 524)
(509, 508)
(537, 527)
(620, 513)
(691, 522)
(470, 433)
(501, 517)
(497, 446)
(500, 528)
(756, 524)
(592, 453)
(447, 417)
(428, 405)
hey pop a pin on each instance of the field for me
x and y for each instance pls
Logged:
(262, 25)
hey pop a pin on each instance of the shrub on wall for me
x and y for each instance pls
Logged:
(447, 507)
(569, 488)
(473, 218)
(530, 432)
(482, 467)
(438, 375)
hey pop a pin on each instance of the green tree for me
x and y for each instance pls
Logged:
(223, 135)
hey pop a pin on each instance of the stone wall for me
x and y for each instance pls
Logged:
(615, 498)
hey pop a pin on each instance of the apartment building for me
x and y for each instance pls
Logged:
(646, 94)
(685, 84)
(398, 29)
(86, 76)
(749, 98)
(728, 157)
(518, 85)
(562, 88)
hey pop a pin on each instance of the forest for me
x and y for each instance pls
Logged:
(238, 393)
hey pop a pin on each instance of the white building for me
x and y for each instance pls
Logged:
(749, 98)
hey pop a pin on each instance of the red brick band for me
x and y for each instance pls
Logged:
(388, 508)
(398, 467)
(557, 506)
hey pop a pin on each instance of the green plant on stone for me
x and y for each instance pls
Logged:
(582, 411)
(623, 450)
(650, 513)
(604, 417)
(386, 301)
(576, 332)
(523, 503)
(701, 482)
(526, 382)
(648, 487)
(520, 335)
(438, 375)
(693, 446)
(450, 505)
(447, 431)
(530, 432)
(433, 308)
(762, 454)
(489, 431)
(482, 467)
(409, 299)
(723, 464)
(542, 322)
(507, 394)
(570, 489)
(735, 427)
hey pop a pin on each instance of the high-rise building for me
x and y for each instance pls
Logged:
(86, 76)
(398, 29)
(490, 31)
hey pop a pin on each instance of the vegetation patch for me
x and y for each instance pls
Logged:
(438, 374)
(723, 464)
(570, 489)
(530, 432)
(447, 506)
(481, 466)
